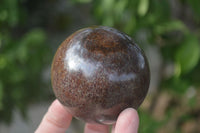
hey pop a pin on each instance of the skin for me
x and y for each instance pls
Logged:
(57, 120)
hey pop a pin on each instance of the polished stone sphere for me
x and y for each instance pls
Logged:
(97, 72)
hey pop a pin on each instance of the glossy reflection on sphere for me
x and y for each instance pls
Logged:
(97, 72)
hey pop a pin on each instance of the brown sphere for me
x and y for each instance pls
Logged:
(97, 72)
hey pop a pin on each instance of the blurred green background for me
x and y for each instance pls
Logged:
(167, 30)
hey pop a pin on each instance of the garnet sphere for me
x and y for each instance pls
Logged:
(97, 72)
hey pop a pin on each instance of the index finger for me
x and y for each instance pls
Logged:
(56, 120)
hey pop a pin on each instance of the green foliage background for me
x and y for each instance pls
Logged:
(23, 56)
(25, 53)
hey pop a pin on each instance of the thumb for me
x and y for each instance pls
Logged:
(127, 122)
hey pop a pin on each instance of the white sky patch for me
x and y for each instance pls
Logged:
(74, 61)
(141, 61)
(121, 77)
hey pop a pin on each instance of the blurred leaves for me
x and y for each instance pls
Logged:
(23, 56)
(173, 25)
(188, 54)
(195, 6)
(148, 124)
(21, 64)
(31, 40)
(177, 85)
(143, 7)
(9, 10)
(3, 15)
(1, 95)
(81, 1)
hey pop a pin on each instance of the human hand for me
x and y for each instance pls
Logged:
(57, 120)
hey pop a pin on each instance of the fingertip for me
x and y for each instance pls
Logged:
(57, 119)
(128, 121)
(59, 115)
(57, 107)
